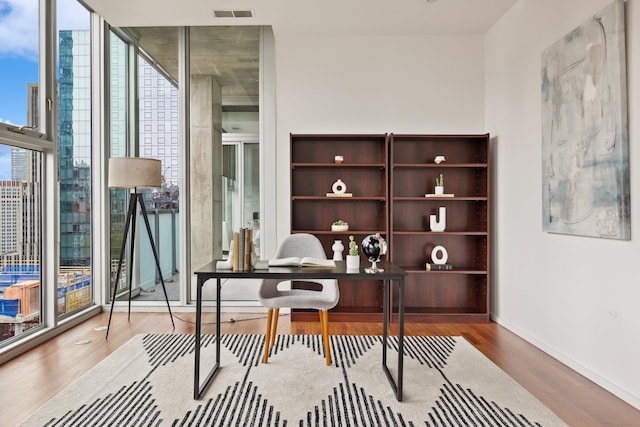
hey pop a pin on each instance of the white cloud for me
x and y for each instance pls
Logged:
(19, 28)
(73, 16)
(19, 24)
(7, 122)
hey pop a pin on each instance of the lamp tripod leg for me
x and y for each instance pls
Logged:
(134, 214)
(122, 251)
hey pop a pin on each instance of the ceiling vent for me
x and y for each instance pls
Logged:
(233, 13)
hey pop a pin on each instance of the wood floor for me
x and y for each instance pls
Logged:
(32, 379)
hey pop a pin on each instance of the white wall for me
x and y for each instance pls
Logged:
(558, 291)
(374, 85)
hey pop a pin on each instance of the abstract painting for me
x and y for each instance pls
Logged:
(585, 147)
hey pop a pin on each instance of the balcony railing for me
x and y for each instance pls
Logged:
(164, 225)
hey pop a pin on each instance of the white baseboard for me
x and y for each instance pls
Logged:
(568, 361)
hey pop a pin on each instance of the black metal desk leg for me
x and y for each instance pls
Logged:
(385, 322)
(218, 322)
(400, 338)
(196, 368)
(396, 385)
(199, 389)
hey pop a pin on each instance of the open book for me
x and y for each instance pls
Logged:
(302, 262)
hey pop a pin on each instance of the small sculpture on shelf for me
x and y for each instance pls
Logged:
(439, 258)
(353, 258)
(337, 249)
(439, 159)
(438, 223)
(373, 247)
(339, 189)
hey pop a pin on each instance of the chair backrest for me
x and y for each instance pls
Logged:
(301, 245)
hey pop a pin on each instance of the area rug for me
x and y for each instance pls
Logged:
(149, 382)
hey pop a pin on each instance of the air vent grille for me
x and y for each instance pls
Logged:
(233, 13)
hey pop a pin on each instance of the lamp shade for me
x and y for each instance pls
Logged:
(132, 172)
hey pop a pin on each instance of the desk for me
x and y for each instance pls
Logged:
(391, 273)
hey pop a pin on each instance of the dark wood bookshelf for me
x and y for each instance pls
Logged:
(461, 294)
(389, 176)
(365, 174)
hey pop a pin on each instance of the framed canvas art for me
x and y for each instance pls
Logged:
(585, 150)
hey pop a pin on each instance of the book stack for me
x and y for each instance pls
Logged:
(243, 248)
(438, 267)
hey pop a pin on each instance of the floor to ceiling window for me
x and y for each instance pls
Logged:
(20, 172)
(159, 139)
(143, 68)
(75, 284)
(118, 107)
(224, 95)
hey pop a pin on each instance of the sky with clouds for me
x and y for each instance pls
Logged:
(19, 57)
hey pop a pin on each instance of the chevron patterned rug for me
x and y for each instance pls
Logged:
(149, 382)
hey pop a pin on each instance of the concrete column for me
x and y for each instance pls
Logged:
(206, 170)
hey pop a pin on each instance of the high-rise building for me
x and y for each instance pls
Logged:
(18, 164)
(74, 136)
(158, 106)
(23, 189)
(11, 218)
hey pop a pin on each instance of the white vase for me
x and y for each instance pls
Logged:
(337, 249)
(353, 262)
(439, 189)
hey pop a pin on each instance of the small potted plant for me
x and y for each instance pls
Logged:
(440, 185)
(339, 225)
(353, 259)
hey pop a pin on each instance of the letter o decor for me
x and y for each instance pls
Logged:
(439, 250)
(339, 187)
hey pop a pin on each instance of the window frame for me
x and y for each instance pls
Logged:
(44, 140)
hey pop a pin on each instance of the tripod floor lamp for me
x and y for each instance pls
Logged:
(135, 172)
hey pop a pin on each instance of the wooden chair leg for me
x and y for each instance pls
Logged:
(267, 335)
(274, 326)
(324, 322)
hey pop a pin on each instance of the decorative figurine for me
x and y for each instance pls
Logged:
(438, 224)
(337, 249)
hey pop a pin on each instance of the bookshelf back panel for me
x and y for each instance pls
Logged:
(441, 291)
(462, 182)
(461, 216)
(313, 215)
(354, 148)
(410, 149)
(464, 252)
(318, 181)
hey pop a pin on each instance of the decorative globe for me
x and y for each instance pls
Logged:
(373, 247)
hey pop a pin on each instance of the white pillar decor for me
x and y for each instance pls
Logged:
(440, 223)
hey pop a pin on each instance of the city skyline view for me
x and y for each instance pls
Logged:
(21, 183)
(19, 59)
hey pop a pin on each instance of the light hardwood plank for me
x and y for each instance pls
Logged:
(30, 380)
